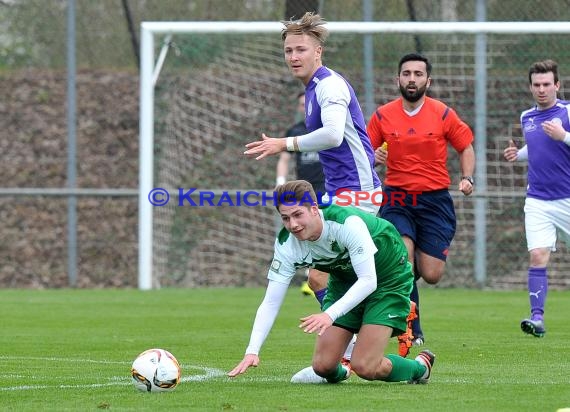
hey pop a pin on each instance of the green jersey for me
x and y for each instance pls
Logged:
(343, 243)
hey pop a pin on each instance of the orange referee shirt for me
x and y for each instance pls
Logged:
(417, 145)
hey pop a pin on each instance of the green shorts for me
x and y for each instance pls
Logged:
(388, 305)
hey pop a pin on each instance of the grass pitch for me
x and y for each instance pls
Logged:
(69, 350)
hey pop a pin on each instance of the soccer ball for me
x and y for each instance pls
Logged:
(155, 370)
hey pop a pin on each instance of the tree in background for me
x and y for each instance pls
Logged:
(296, 8)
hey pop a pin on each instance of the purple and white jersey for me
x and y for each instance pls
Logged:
(548, 159)
(350, 165)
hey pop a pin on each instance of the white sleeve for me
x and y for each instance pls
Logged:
(266, 315)
(330, 135)
(522, 154)
(333, 96)
(364, 286)
(357, 238)
(282, 269)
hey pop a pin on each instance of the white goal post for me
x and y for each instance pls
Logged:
(151, 66)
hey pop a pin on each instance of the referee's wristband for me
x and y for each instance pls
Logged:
(567, 138)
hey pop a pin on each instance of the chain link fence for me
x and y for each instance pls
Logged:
(33, 127)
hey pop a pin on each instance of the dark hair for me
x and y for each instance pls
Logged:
(295, 192)
(544, 66)
(415, 57)
(301, 93)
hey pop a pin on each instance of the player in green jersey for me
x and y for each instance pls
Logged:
(368, 290)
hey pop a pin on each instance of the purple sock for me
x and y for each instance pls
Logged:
(320, 295)
(537, 289)
(416, 327)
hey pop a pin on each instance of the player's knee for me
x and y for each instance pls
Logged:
(362, 369)
(314, 284)
(431, 274)
(323, 369)
(317, 280)
(432, 278)
(539, 257)
(368, 370)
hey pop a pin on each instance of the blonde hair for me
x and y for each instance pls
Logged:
(310, 24)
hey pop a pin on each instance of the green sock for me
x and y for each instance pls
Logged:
(404, 369)
(338, 375)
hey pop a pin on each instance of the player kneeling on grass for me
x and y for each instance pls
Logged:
(368, 290)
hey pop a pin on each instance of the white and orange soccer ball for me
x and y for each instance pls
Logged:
(155, 370)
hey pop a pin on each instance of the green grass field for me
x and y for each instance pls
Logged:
(67, 350)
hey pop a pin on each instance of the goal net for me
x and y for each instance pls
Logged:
(209, 88)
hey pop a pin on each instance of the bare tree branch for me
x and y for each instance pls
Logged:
(132, 32)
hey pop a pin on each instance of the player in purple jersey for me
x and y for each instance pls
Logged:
(333, 117)
(546, 129)
(335, 124)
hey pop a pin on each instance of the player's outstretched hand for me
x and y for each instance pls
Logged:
(247, 361)
(267, 146)
(316, 323)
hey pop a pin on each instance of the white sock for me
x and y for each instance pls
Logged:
(349, 348)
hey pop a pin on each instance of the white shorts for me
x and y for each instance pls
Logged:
(542, 218)
(367, 200)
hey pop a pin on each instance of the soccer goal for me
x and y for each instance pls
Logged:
(207, 88)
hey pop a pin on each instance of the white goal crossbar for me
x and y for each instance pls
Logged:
(148, 73)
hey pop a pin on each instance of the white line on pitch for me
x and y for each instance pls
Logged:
(208, 373)
(61, 359)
